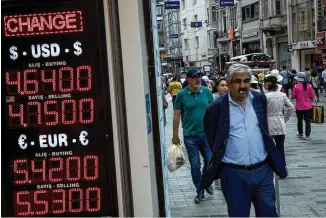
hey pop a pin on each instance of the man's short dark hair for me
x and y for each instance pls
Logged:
(284, 67)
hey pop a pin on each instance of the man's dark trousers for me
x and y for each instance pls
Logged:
(240, 187)
(286, 88)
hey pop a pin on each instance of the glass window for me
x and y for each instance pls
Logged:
(256, 9)
(159, 10)
(247, 17)
(197, 41)
(208, 15)
(224, 21)
(186, 43)
(278, 6)
(214, 19)
(252, 11)
(184, 23)
(215, 39)
(265, 9)
(159, 25)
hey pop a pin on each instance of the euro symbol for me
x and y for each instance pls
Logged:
(21, 141)
(82, 138)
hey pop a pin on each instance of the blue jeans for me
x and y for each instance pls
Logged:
(240, 187)
(194, 145)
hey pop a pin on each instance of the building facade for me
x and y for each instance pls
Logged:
(302, 34)
(252, 35)
(320, 15)
(274, 25)
(193, 15)
(173, 58)
(228, 38)
(212, 33)
(160, 32)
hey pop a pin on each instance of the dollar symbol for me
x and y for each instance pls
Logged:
(77, 48)
(14, 54)
(82, 138)
(21, 141)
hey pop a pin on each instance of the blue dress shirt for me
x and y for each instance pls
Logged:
(245, 144)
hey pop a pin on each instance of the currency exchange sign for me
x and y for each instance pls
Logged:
(57, 147)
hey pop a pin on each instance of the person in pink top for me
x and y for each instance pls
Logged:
(304, 94)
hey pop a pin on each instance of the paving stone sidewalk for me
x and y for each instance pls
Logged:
(302, 193)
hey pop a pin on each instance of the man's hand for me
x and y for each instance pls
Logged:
(176, 140)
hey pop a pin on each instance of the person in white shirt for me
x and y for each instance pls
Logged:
(323, 76)
(279, 111)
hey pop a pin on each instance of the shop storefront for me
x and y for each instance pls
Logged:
(284, 56)
(251, 41)
(305, 55)
(236, 48)
(321, 46)
(224, 54)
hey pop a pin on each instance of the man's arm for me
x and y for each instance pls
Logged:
(176, 121)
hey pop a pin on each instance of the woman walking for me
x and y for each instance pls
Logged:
(315, 83)
(303, 93)
(279, 111)
(220, 88)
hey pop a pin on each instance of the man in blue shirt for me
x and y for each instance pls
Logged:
(244, 155)
(190, 104)
(286, 82)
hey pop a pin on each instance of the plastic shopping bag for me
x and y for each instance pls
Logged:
(175, 158)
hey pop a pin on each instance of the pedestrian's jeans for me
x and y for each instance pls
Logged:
(240, 187)
(194, 145)
(306, 116)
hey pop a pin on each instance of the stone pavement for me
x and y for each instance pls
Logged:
(302, 193)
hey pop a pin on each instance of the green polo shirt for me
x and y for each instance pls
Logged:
(193, 107)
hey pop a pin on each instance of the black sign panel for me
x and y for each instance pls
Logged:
(57, 146)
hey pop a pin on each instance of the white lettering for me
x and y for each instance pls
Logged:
(42, 140)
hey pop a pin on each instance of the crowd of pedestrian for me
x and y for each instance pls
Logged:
(237, 122)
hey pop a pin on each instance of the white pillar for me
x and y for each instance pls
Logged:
(295, 58)
(134, 56)
(275, 51)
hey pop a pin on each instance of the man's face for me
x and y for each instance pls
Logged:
(239, 85)
(194, 81)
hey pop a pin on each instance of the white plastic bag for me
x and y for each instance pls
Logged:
(175, 158)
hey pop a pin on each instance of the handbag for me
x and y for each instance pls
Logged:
(317, 114)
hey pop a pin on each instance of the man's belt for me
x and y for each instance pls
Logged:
(246, 167)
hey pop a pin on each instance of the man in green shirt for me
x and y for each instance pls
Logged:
(191, 103)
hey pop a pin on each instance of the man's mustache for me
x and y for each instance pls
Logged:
(243, 90)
